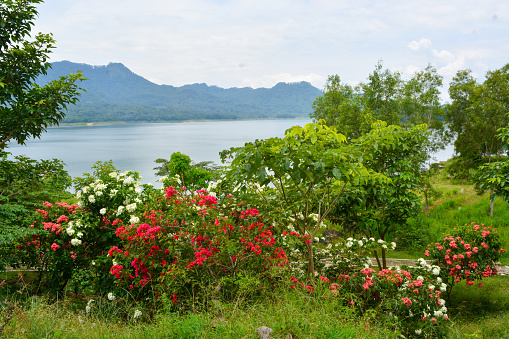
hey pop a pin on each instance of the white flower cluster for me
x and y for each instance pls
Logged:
(88, 308)
(137, 313)
(430, 268)
(111, 296)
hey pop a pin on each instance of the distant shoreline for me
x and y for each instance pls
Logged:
(106, 123)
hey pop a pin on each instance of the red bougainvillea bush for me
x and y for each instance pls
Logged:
(469, 254)
(192, 248)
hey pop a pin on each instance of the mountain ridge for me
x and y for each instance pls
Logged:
(114, 93)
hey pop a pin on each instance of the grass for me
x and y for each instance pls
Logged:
(289, 314)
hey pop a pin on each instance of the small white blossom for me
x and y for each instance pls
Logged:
(418, 332)
(113, 174)
(131, 207)
(75, 242)
(162, 179)
(91, 198)
(393, 245)
(81, 204)
(120, 210)
(134, 219)
(78, 195)
(128, 180)
(79, 234)
(436, 270)
(137, 314)
(103, 211)
(360, 243)
(111, 296)
(99, 193)
(112, 193)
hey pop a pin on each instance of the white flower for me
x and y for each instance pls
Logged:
(380, 241)
(162, 179)
(91, 198)
(75, 242)
(137, 314)
(371, 239)
(120, 210)
(79, 234)
(137, 190)
(134, 219)
(112, 193)
(113, 174)
(420, 278)
(81, 204)
(436, 270)
(103, 211)
(384, 246)
(431, 287)
(128, 180)
(443, 287)
(85, 189)
(418, 332)
(78, 195)
(360, 243)
(393, 244)
(70, 231)
(131, 208)
(93, 262)
(349, 244)
(89, 307)
(111, 297)
(99, 193)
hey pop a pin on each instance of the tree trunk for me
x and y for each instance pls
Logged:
(311, 262)
(426, 203)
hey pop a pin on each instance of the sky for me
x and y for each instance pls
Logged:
(258, 43)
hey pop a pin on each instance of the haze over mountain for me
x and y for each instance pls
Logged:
(114, 93)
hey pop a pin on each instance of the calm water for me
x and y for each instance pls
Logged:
(136, 146)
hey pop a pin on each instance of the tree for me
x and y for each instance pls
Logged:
(26, 109)
(378, 208)
(476, 113)
(342, 106)
(309, 169)
(189, 173)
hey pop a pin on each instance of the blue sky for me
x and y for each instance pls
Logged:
(257, 43)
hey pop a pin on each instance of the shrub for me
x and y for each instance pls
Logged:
(470, 254)
(193, 248)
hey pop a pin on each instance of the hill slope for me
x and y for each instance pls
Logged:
(114, 93)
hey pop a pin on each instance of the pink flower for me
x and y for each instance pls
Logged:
(475, 249)
(55, 247)
(426, 253)
(407, 301)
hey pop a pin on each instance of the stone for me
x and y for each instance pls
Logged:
(264, 332)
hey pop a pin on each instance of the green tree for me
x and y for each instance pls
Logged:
(341, 105)
(382, 95)
(189, 173)
(309, 169)
(476, 113)
(26, 109)
(379, 208)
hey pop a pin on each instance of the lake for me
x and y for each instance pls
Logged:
(136, 146)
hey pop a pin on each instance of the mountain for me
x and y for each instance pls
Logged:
(115, 93)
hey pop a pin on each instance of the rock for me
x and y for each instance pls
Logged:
(264, 332)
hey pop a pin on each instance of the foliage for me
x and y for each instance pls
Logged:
(194, 249)
(378, 208)
(476, 113)
(410, 297)
(189, 173)
(470, 254)
(24, 184)
(26, 109)
(71, 242)
(308, 171)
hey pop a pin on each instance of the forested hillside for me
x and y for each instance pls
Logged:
(114, 93)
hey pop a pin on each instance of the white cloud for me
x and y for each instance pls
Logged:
(410, 70)
(444, 56)
(421, 44)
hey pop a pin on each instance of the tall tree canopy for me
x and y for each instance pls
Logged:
(476, 113)
(26, 109)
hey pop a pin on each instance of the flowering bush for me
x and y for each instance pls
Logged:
(72, 242)
(410, 297)
(192, 246)
(469, 254)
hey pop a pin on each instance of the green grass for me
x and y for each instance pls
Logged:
(289, 314)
